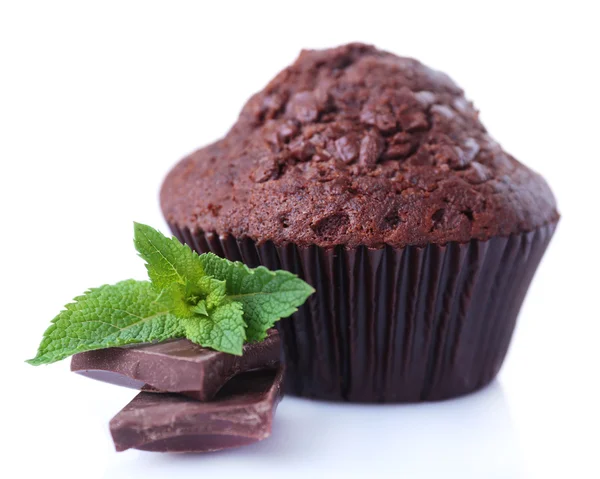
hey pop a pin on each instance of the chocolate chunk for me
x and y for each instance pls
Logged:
(302, 150)
(371, 147)
(425, 98)
(471, 149)
(348, 148)
(443, 111)
(267, 169)
(400, 146)
(178, 366)
(477, 173)
(303, 106)
(379, 115)
(287, 130)
(240, 414)
(413, 120)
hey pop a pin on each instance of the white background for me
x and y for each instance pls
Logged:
(99, 99)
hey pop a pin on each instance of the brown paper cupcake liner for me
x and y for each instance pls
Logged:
(395, 325)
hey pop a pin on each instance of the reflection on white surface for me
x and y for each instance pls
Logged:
(467, 437)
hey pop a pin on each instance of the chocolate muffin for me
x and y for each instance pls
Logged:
(371, 177)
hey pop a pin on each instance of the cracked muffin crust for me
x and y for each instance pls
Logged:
(356, 146)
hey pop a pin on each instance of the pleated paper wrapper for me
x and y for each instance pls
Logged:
(395, 325)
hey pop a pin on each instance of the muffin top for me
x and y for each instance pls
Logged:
(356, 146)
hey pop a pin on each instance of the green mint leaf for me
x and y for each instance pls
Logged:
(223, 329)
(111, 315)
(214, 290)
(177, 299)
(173, 299)
(266, 296)
(200, 308)
(168, 260)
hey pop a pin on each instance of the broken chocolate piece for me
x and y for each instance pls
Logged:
(178, 366)
(240, 414)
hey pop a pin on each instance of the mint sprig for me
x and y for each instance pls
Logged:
(211, 301)
(266, 296)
